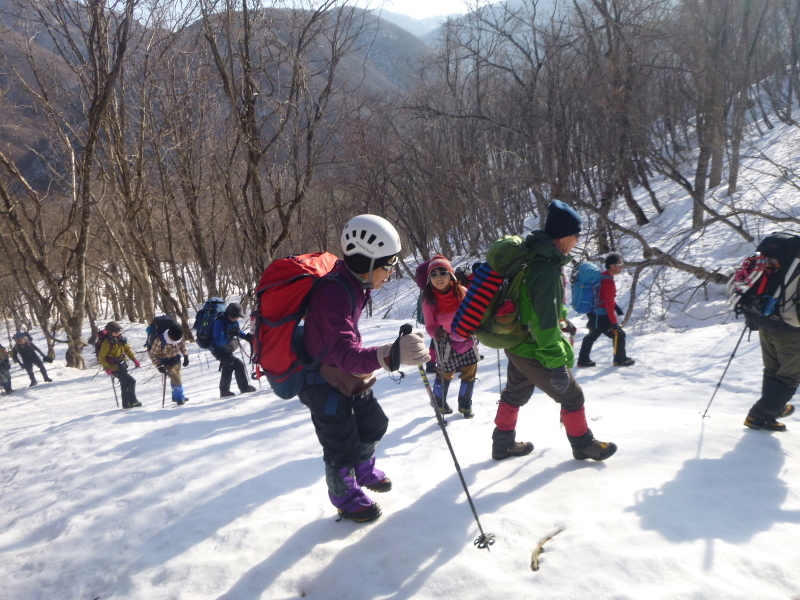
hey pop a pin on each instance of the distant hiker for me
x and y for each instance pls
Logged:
(347, 418)
(112, 353)
(461, 275)
(24, 354)
(5, 370)
(603, 318)
(766, 290)
(544, 358)
(441, 297)
(165, 352)
(225, 336)
(471, 276)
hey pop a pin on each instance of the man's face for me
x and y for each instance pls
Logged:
(616, 269)
(566, 244)
(22, 341)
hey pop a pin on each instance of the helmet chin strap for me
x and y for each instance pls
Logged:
(368, 283)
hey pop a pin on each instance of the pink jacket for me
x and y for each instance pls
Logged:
(433, 320)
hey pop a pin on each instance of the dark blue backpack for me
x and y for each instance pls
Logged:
(204, 321)
(156, 328)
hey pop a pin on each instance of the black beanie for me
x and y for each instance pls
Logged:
(562, 221)
(175, 332)
(234, 310)
(113, 327)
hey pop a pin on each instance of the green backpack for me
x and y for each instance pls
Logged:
(501, 326)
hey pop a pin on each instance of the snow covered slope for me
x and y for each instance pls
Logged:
(226, 498)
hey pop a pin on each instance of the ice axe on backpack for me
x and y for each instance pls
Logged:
(484, 540)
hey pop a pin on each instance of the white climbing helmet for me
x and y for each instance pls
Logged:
(371, 236)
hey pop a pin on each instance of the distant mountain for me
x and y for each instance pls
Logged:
(544, 10)
(419, 27)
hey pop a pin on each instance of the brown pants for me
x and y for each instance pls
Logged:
(174, 374)
(525, 374)
(467, 374)
(780, 351)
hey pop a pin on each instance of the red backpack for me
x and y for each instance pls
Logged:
(281, 304)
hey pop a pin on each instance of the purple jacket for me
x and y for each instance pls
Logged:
(332, 324)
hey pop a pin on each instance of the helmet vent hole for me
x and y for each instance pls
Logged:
(380, 244)
(371, 239)
(363, 233)
(350, 247)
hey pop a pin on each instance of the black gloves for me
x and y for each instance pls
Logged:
(569, 328)
(185, 360)
(162, 368)
(615, 327)
(249, 337)
(618, 310)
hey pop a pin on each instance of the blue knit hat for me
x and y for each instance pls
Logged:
(562, 220)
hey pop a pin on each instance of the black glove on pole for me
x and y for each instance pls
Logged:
(484, 540)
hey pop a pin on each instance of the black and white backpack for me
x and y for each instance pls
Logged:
(764, 287)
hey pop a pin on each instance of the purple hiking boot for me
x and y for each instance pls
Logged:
(354, 504)
(372, 478)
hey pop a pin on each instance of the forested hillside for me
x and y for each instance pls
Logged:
(154, 155)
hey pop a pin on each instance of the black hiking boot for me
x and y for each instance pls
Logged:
(596, 450)
(787, 411)
(467, 412)
(624, 362)
(370, 513)
(48, 380)
(587, 363)
(248, 389)
(33, 383)
(384, 485)
(134, 404)
(505, 446)
(445, 410)
(767, 424)
(226, 394)
(516, 449)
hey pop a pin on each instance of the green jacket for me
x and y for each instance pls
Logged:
(542, 305)
(112, 353)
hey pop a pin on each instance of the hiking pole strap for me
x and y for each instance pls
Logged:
(719, 383)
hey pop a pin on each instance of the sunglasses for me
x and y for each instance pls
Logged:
(391, 264)
(440, 273)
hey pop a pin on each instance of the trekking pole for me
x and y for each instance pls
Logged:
(616, 339)
(164, 390)
(499, 377)
(114, 387)
(484, 540)
(726, 370)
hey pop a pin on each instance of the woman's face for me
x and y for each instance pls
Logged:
(440, 279)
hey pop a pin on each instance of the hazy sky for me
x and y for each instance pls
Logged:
(419, 9)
